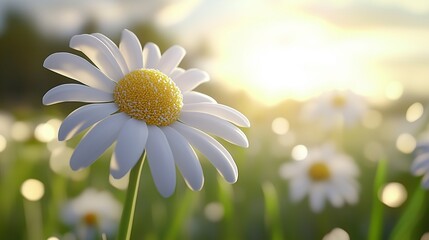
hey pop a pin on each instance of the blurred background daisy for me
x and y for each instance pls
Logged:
(276, 61)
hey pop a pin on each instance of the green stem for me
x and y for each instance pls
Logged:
(127, 217)
(376, 224)
(272, 211)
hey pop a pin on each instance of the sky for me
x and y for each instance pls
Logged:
(271, 49)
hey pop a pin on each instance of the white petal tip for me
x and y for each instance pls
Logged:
(117, 174)
(166, 193)
(231, 179)
(48, 61)
(196, 185)
(74, 167)
(47, 101)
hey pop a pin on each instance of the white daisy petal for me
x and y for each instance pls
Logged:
(129, 147)
(298, 188)
(79, 69)
(131, 49)
(347, 188)
(196, 97)
(176, 72)
(83, 117)
(425, 181)
(420, 164)
(216, 126)
(216, 156)
(334, 196)
(346, 167)
(161, 161)
(219, 110)
(317, 197)
(170, 59)
(97, 140)
(151, 55)
(75, 93)
(99, 54)
(190, 79)
(115, 51)
(185, 158)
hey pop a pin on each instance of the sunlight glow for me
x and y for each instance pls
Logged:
(291, 55)
(32, 189)
(393, 194)
(394, 90)
(175, 12)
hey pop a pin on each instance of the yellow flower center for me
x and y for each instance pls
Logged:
(149, 95)
(339, 101)
(90, 219)
(319, 171)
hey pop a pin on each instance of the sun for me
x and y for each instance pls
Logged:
(290, 56)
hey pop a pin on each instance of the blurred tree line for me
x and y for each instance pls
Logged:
(23, 79)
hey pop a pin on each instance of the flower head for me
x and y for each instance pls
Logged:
(420, 165)
(324, 175)
(143, 101)
(333, 107)
(92, 212)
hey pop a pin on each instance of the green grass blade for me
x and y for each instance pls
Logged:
(412, 215)
(226, 198)
(272, 211)
(376, 222)
(183, 210)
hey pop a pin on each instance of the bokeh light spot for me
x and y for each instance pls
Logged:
(299, 152)
(280, 125)
(20, 131)
(337, 234)
(44, 132)
(393, 194)
(414, 112)
(406, 143)
(3, 143)
(425, 236)
(214, 211)
(32, 189)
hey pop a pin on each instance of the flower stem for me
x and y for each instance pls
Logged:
(376, 224)
(127, 217)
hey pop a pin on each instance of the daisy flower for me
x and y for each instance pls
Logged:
(420, 165)
(143, 101)
(324, 174)
(92, 213)
(335, 107)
